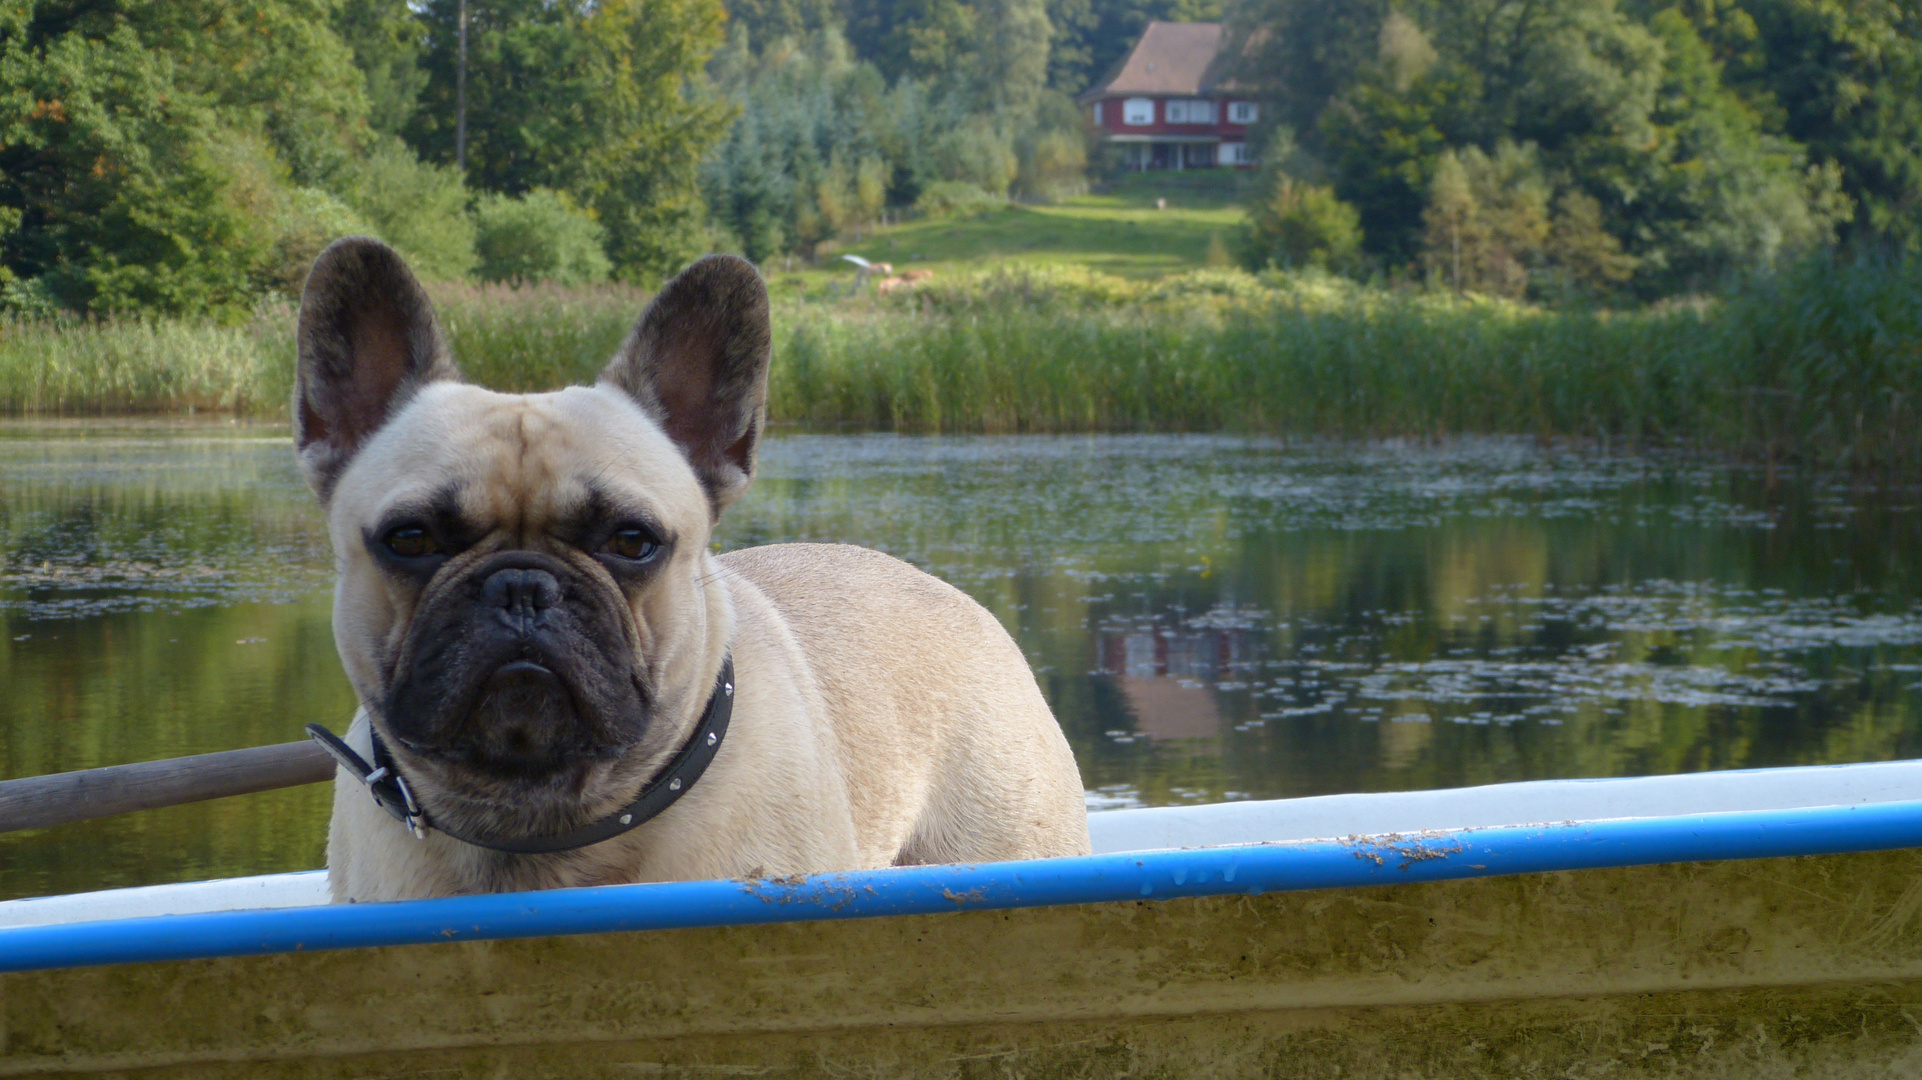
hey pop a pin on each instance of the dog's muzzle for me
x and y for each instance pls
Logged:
(392, 794)
(519, 669)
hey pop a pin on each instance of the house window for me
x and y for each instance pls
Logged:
(1097, 112)
(1243, 112)
(1233, 153)
(1138, 110)
(1191, 111)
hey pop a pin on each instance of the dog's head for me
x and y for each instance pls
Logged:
(523, 602)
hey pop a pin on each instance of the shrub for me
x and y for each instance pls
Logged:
(975, 152)
(308, 220)
(287, 225)
(1053, 152)
(541, 236)
(945, 197)
(420, 209)
(27, 299)
(1299, 225)
(1486, 226)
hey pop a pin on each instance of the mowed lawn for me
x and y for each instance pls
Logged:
(1117, 231)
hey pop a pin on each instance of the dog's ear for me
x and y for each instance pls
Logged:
(697, 361)
(368, 341)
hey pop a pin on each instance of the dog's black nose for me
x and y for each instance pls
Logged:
(521, 595)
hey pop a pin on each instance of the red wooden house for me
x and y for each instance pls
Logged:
(1170, 103)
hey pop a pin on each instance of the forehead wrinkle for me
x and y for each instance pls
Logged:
(530, 460)
(497, 447)
(547, 481)
(523, 485)
(515, 496)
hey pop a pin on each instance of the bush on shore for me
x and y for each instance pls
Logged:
(541, 236)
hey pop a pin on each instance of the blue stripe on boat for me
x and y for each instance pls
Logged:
(1151, 875)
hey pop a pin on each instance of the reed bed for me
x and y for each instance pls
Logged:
(531, 339)
(66, 368)
(1819, 363)
(511, 339)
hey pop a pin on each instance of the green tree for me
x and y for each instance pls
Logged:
(418, 207)
(591, 99)
(747, 185)
(1299, 224)
(109, 174)
(155, 160)
(1626, 107)
(769, 21)
(870, 188)
(1010, 55)
(288, 224)
(802, 105)
(992, 52)
(541, 236)
(924, 39)
(1487, 220)
(834, 195)
(1842, 77)
(387, 40)
(1382, 147)
(1302, 55)
(1585, 259)
(823, 143)
(1711, 193)
(273, 66)
(1072, 29)
(976, 151)
(1052, 150)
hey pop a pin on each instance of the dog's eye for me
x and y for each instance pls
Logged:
(410, 542)
(636, 545)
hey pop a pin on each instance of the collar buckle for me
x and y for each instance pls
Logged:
(384, 781)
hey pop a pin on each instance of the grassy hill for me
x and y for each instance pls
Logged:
(1116, 231)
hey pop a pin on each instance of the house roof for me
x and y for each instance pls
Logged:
(1170, 58)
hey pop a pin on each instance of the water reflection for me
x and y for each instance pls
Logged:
(1217, 618)
(1212, 618)
(1167, 677)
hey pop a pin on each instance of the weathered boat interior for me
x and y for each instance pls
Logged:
(1723, 924)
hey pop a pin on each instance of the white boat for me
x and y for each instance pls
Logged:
(1762, 923)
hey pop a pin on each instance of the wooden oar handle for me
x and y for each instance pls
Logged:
(36, 802)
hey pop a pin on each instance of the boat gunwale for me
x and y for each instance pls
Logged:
(1272, 866)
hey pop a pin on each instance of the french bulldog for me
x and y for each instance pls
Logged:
(565, 685)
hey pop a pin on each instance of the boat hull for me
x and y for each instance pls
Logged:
(1810, 966)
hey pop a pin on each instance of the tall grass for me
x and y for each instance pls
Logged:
(511, 339)
(1401, 367)
(1821, 362)
(132, 366)
(532, 339)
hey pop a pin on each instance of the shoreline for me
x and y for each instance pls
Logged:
(1816, 365)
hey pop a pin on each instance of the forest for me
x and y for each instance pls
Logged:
(188, 158)
(1548, 148)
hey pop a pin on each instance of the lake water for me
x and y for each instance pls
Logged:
(1212, 618)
